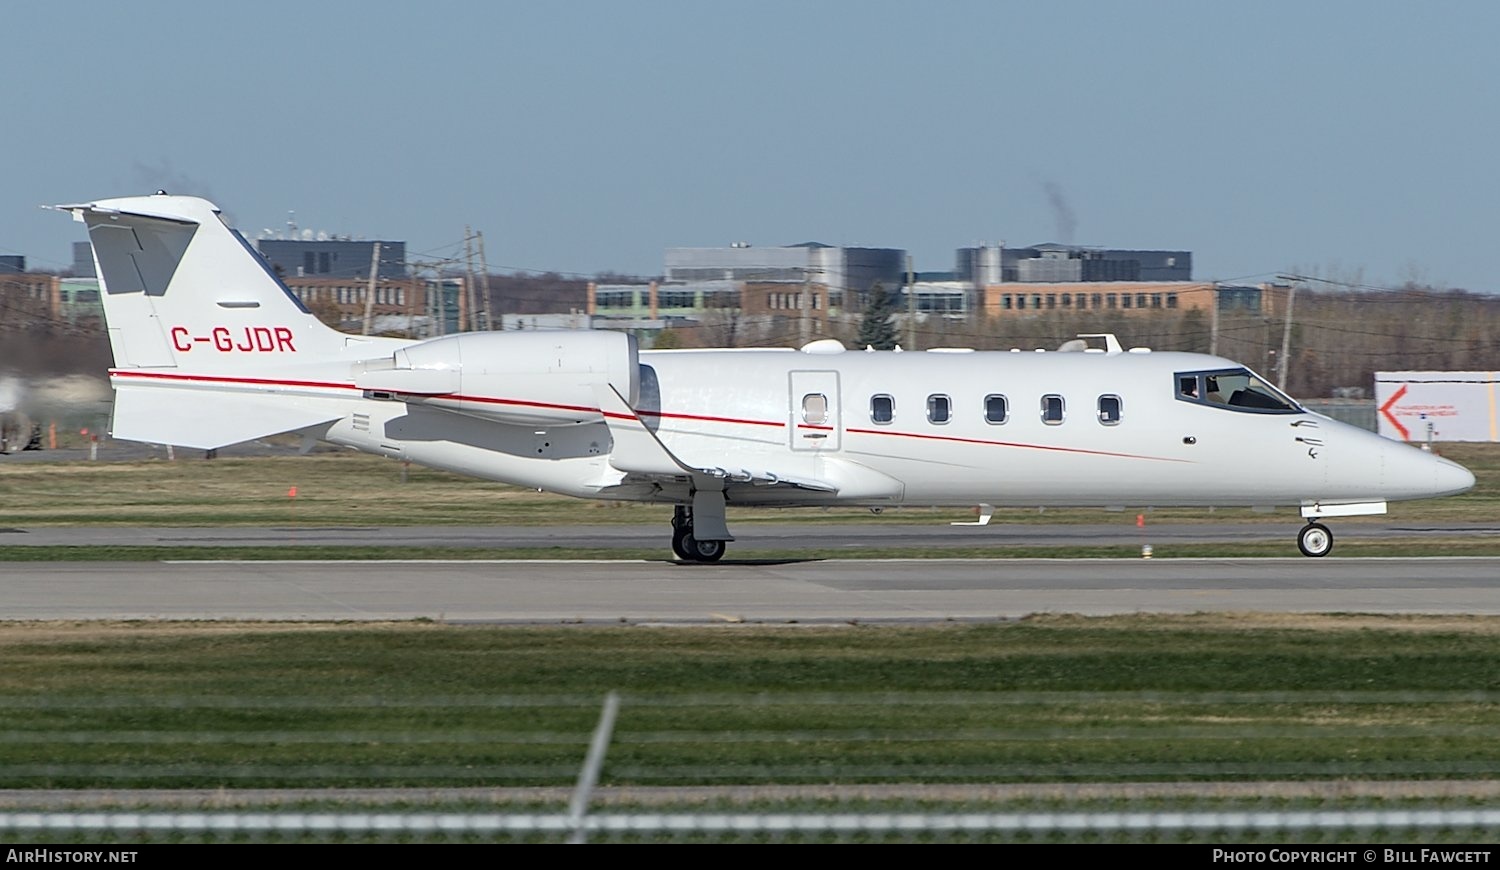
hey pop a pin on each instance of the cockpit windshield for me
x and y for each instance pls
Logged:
(1236, 389)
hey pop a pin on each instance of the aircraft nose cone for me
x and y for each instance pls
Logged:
(1451, 478)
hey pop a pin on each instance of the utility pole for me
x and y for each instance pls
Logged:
(433, 302)
(370, 288)
(1213, 323)
(441, 312)
(484, 284)
(911, 307)
(804, 307)
(466, 300)
(1286, 338)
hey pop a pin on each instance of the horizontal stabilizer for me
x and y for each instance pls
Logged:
(206, 420)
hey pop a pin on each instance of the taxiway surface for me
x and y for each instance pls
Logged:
(752, 538)
(749, 591)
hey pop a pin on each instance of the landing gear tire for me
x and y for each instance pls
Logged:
(680, 537)
(704, 551)
(1315, 540)
(690, 549)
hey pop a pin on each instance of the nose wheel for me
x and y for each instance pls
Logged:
(1315, 540)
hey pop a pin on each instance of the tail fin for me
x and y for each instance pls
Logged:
(183, 290)
(203, 333)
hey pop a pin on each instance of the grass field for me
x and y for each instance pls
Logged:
(1045, 699)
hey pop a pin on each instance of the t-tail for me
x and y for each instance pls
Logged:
(203, 331)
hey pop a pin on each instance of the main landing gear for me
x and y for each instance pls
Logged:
(688, 548)
(1315, 539)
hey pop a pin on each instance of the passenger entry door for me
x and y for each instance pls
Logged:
(814, 414)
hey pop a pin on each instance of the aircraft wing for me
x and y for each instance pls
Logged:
(640, 454)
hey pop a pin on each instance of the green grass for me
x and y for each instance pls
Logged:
(1122, 699)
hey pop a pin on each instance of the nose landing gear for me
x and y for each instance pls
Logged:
(1315, 540)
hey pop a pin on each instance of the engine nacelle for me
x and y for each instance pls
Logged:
(528, 378)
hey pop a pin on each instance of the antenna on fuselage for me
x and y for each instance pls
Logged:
(1111, 344)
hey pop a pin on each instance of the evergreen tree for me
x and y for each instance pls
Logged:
(876, 329)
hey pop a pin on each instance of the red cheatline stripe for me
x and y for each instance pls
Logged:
(275, 382)
(709, 419)
(1016, 444)
(213, 379)
(279, 382)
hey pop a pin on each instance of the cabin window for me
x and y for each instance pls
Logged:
(1109, 299)
(1094, 301)
(1124, 300)
(815, 409)
(1052, 409)
(1109, 410)
(882, 409)
(996, 409)
(939, 409)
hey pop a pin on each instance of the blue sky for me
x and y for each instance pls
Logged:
(1354, 140)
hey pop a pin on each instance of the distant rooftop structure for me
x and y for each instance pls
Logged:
(12, 264)
(332, 258)
(83, 260)
(1053, 263)
(838, 268)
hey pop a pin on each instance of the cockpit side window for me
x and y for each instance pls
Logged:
(1188, 387)
(1234, 389)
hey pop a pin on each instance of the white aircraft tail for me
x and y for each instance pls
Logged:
(183, 290)
(199, 325)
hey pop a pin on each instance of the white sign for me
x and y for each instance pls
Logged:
(1455, 406)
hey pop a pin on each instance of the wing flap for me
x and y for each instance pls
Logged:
(639, 453)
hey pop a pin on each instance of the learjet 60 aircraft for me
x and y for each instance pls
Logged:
(212, 349)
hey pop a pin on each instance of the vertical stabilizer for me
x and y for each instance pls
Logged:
(183, 290)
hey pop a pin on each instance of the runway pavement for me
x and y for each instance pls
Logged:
(751, 538)
(729, 593)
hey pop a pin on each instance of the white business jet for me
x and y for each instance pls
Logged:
(211, 349)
